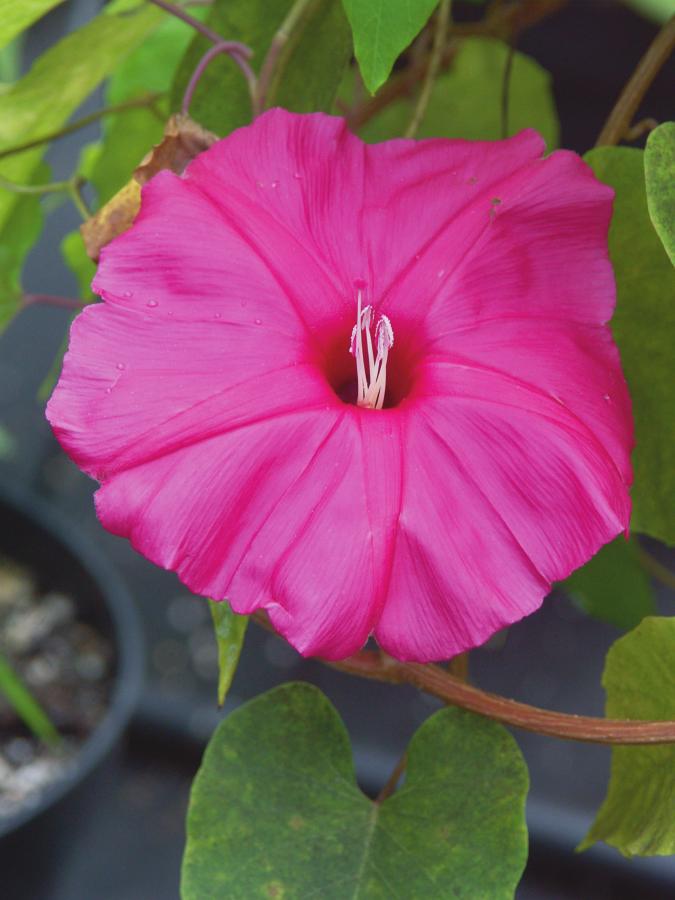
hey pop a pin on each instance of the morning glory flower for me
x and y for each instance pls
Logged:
(370, 389)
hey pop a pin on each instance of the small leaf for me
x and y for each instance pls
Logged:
(643, 326)
(129, 135)
(17, 236)
(75, 256)
(658, 10)
(25, 705)
(638, 815)
(229, 629)
(47, 95)
(660, 181)
(310, 71)
(613, 586)
(275, 810)
(466, 100)
(17, 15)
(382, 30)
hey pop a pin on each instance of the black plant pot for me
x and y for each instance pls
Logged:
(34, 841)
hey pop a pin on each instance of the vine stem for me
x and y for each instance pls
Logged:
(72, 186)
(620, 118)
(239, 52)
(51, 300)
(147, 100)
(440, 34)
(393, 780)
(436, 681)
(184, 16)
(279, 41)
(234, 51)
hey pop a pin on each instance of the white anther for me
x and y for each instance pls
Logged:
(371, 381)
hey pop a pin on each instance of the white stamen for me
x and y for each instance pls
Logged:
(371, 385)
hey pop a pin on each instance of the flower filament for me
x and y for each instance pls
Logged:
(371, 370)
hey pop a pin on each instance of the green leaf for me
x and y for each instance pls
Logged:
(637, 816)
(382, 30)
(128, 136)
(25, 705)
(17, 15)
(75, 257)
(51, 91)
(310, 71)
(660, 181)
(17, 236)
(643, 325)
(229, 629)
(466, 100)
(275, 810)
(658, 10)
(613, 586)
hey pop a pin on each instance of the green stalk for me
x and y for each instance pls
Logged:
(26, 706)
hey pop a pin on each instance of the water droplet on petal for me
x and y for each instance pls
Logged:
(108, 390)
(120, 366)
(418, 255)
(259, 184)
(275, 184)
(258, 321)
(218, 316)
(243, 303)
(607, 398)
(128, 294)
(441, 273)
(297, 176)
(152, 303)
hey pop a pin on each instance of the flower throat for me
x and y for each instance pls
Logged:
(371, 370)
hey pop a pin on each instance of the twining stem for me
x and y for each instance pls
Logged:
(655, 568)
(271, 61)
(436, 681)
(233, 50)
(239, 52)
(618, 124)
(72, 186)
(393, 780)
(184, 16)
(51, 300)
(148, 100)
(440, 36)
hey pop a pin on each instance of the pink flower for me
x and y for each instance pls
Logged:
(214, 396)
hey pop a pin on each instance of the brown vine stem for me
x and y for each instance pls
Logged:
(436, 681)
(440, 35)
(393, 780)
(276, 48)
(621, 117)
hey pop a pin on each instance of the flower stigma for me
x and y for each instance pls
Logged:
(371, 378)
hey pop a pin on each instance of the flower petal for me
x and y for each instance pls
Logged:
(541, 253)
(575, 364)
(458, 573)
(271, 517)
(135, 387)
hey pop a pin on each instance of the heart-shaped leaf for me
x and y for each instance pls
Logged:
(638, 815)
(275, 810)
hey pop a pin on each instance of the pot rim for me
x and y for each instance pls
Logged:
(127, 636)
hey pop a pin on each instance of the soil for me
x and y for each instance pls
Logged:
(66, 664)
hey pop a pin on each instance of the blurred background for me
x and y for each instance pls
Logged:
(132, 848)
